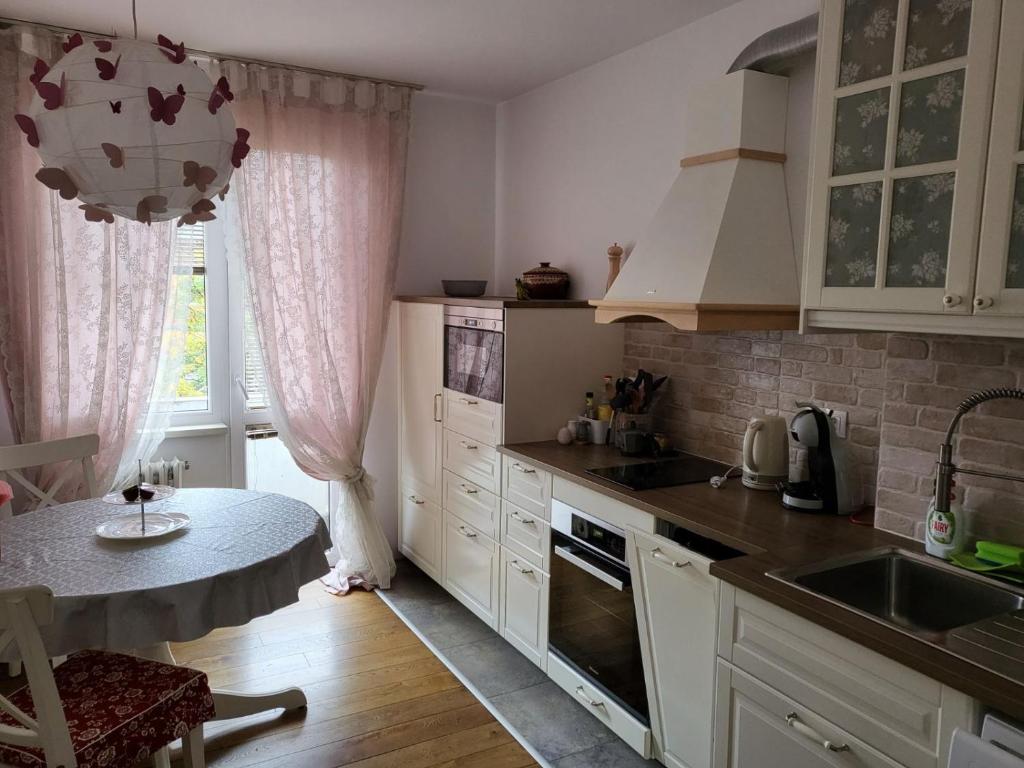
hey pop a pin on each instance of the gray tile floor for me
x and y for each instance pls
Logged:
(555, 724)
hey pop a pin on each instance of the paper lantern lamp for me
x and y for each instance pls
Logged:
(133, 129)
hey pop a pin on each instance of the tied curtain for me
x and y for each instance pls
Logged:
(317, 205)
(85, 307)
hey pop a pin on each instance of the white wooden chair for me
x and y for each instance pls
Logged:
(15, 458)
(98, 708)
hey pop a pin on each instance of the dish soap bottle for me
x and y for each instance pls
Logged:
(945, 532)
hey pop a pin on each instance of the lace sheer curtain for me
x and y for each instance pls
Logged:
(317, 208)
(91, 315)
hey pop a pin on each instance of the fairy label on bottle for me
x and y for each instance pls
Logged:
(941, 527)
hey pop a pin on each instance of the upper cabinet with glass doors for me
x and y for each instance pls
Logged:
(903, 115)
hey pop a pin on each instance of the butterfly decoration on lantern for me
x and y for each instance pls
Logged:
(133, 129)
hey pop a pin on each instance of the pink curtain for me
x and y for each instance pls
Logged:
(318, 204)
(82, 305)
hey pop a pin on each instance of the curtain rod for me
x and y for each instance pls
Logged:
(225, 57)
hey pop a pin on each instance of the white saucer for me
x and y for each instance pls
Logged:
(160, 492)
(129, 527)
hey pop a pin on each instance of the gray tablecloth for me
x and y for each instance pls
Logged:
(245, 554)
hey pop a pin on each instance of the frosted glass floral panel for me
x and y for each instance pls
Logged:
(922, 210)
(869, 37)
(860, 132)
(929, 129)
(851, 255)
(938, 30)
(1015, 259)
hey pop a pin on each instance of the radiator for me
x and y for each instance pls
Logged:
(166, 472)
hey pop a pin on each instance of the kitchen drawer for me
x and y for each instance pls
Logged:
(524, 607)
(898, 711)
(473, 504)
(526, 535)
(472, 565)
(421, 533)
(527, 487)
(473, 417)
(600, 705)
(757, 727)
(477, 462)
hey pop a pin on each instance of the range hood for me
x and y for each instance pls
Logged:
(718, 254)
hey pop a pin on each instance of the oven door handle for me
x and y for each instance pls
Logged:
(598, 573)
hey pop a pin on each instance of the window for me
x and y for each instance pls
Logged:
(193, 392)
(256, 398)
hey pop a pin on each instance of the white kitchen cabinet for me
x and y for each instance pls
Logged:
(524, 607)
(472, 568)
(760, 728)
(871, 699)
(1000, 290)
(421, 377)
(677, 609)
(422, 530)
(903, 114)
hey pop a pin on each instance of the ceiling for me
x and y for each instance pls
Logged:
(490, 50)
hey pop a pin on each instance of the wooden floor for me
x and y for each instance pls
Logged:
(377, 695)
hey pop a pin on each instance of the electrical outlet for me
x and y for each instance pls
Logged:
(841, 421)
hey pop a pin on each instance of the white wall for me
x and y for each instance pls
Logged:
(448, 221)
(585, 160)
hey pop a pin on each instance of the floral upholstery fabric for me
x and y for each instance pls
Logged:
(120, 709)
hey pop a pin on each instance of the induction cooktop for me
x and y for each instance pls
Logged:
(683, 469)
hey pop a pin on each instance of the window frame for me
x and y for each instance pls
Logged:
(217, 413)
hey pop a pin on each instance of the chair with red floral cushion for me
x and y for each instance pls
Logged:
(97, 709)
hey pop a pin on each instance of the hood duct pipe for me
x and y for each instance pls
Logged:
(778, 46)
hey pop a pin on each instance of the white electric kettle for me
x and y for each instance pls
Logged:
(765, 453)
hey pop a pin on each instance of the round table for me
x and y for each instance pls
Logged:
(245, 554)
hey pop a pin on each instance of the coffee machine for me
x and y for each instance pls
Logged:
(830, 488)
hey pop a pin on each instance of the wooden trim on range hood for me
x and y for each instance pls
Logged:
(739, 153)
(701, 317)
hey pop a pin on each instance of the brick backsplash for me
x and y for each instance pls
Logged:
(900, 391)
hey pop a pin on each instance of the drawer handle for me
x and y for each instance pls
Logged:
(437, 401)
(468, 446)
(414, 500)
(657, 554)
(466, 533)
(520, 519)
(467, 489)
(583, 695)
(793, 721)
(525, 470)
(525, 571)
(467, 401)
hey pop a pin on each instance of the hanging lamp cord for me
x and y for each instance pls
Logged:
(135, 22)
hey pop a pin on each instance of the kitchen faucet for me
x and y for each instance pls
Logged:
(946, 468)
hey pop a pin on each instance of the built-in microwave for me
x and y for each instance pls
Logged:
(474, 351)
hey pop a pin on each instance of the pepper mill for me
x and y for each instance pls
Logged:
(614, 262)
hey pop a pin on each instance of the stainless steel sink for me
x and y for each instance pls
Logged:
(914, 593)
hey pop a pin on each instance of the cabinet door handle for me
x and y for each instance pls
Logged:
(583, 695)
(525, 571)
(414, 500)
(466, 489)
(520, 519)
(951, 300)
(983, 302)
(468, 446)
(793, 721)
(525, 470)
(657, 554)
(467, 401)
(437, 400)
(468, 534)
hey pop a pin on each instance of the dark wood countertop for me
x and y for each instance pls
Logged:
(772, 536)
(497, 302)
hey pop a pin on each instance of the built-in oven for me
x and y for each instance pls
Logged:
(592, 619)
(474, 351)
